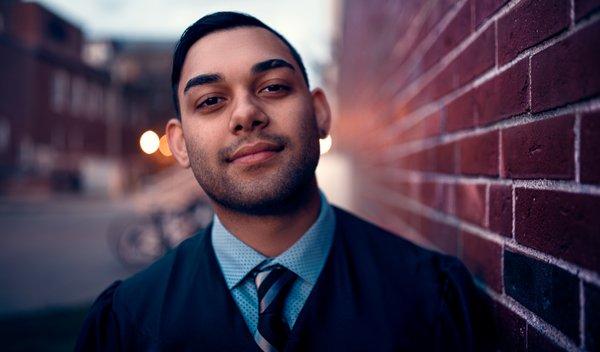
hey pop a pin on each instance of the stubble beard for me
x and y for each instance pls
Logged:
(273, 192)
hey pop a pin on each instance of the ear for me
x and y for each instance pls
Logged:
(176, 141)
(322, 112)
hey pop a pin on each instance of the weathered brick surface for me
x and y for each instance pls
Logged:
(504, 95)
(451, 36)
(461, 111)
(529, 23)
(444, 155)
(500, 210)
(589, 154)
(513, 111)
(484, 8)
(546, 290)
(426, 128)
(483, 258)
(476, 58)
(479, 154)
(470, 202)
(564, 225)
(567, 71)
(437, 195)
(542, 149)
(500, 97)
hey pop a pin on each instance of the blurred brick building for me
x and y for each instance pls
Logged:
(70, 118)
(474, 128)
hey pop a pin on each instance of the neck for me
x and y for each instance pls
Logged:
(271, 235)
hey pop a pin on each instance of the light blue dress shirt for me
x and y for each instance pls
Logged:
(305, 258)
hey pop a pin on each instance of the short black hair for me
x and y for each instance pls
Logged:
(214, 22)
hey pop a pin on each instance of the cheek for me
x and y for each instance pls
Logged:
(199, 144)
(295, 116)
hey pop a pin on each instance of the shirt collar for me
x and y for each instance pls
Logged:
(305, 258)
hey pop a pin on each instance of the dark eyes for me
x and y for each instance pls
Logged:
(276, 88)
(211, 101)
(272, 90)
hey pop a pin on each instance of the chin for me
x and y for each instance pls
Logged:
(266, 200)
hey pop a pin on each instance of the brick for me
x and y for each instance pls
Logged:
(461, 112)
(479, 154)
(426, 128)
(585, 7)
(439, 196)
(529, 23)
(475, 59)
(434, 15)
(505, 95)
(500, 210)
(589, 150)
(457, 30)
(444, 158)
(483, 9)
(511, 329)
(567, 71)
(483, 258)
(418, 161)
(546, 290)
(538, 341)
(592, 317)
(478, 57)
(444, 237)
(501, 97)
(432, 194)
(562, 224)
(541, 149)
(470, 202)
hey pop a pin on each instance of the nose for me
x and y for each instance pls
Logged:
(247, 116)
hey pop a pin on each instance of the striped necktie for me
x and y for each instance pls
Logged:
(272, 285)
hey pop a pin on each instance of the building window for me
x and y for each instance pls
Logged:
(59, 91)
(78, 94)
(94, 100)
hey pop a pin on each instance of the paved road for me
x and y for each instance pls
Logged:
(54, 252)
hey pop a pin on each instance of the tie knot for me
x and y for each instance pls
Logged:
(272, 285)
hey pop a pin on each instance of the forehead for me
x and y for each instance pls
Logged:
(233, 51)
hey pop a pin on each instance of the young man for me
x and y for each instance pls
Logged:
(280, 268)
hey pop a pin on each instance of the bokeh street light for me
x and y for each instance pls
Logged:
(149, 142)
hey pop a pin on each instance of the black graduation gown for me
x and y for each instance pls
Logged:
(376, 292)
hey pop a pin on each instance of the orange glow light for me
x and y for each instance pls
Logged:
(163, 146)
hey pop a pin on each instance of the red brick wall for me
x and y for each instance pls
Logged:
(474, 128)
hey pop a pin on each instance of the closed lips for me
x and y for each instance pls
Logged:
(254, 149)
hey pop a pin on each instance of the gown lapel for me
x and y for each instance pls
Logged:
(214, 321)
(331, 304)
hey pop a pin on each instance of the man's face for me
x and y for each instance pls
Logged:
(248, 120)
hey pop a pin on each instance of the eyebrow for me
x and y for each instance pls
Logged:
(270, 65)
(202, 79)
(260, 67)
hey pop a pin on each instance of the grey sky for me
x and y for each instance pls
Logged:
(306, 24)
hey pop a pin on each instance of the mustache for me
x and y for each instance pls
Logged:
(280, 141)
